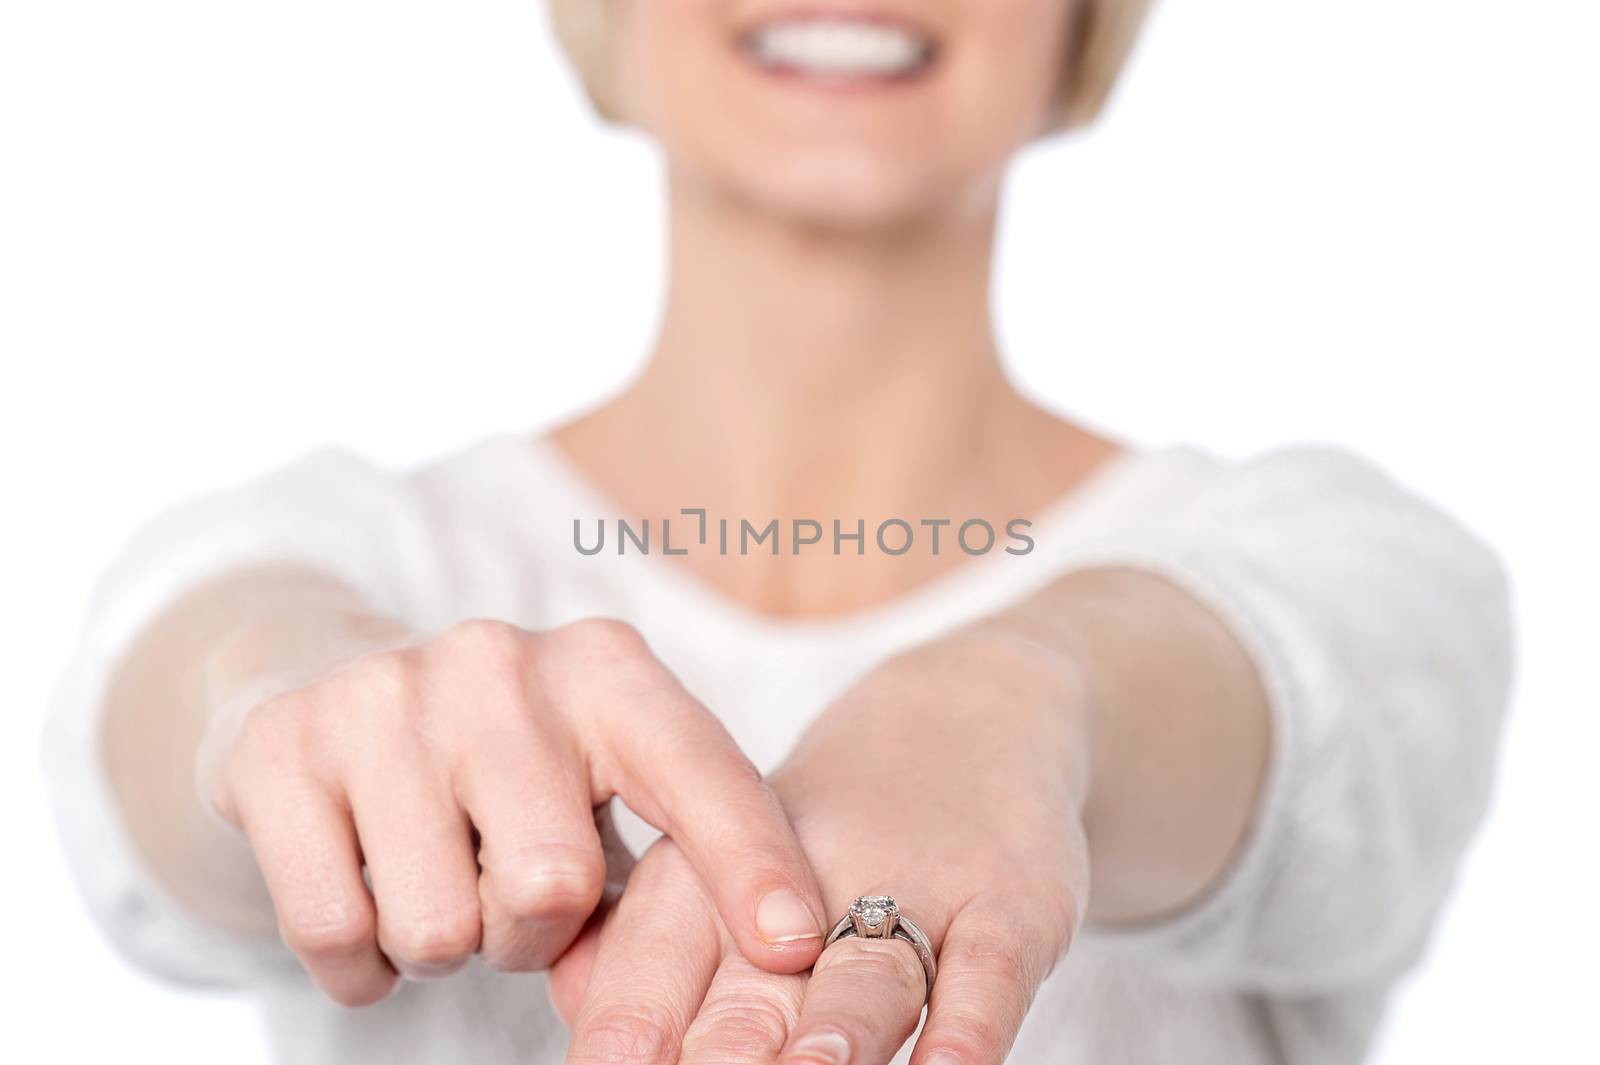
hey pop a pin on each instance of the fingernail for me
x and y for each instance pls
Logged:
(820, 1048)
(783, 917)
(942, 1057)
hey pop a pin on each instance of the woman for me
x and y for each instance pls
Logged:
(338, 736)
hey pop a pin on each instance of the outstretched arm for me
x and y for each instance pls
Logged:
(457, 771)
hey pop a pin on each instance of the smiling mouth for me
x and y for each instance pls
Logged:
(839, 48)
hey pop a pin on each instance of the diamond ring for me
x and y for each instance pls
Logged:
(878, 917)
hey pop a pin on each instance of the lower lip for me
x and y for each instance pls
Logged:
(842, 82)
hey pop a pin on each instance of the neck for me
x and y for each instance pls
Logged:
(826, 363)
(811, 374)
(802, 318)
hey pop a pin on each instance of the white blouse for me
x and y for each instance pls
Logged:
(1379, 625)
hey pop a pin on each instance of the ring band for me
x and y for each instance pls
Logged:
(879, 917)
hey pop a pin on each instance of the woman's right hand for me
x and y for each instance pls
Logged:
(463, 770)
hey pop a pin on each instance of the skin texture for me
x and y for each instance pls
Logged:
(996, 767)
(998, 932)
(461, 769)
(828, 300)
(861, 160)
(828, 293)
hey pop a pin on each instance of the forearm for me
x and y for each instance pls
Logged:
(1148, 708)
(161, 700)
(1178, 732)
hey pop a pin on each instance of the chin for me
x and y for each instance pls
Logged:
(865, 115)
(859, 190)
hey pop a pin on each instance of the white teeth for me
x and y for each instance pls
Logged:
(838, 47)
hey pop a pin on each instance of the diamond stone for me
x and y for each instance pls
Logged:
(874, 910)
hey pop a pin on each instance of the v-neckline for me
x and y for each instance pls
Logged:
(931, 598)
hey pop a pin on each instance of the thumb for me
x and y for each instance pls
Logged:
(569, 974)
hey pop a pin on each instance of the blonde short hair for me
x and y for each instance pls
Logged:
(1103, 34)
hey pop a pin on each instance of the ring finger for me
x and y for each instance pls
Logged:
(418, 849)
(861, 1005)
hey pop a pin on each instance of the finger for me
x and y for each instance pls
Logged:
(708, 797)
(418, 848)
(747, 1014)
(861, 1005)
(990, 968)
(569, 974)
(306, 847)
(543, 870)
(655, 959)
(679, 769)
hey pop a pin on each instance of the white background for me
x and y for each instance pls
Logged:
(229, 231)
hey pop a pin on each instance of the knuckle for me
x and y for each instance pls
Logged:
(607, 638)
(1000, 969)
(499, 644)
(619, 1035)
(329, 931)
(974, 1035)
(277, 751)
(436, 940)
(747, 1030)
(553, 887)
(276, 727)
(1020, 947)
(380, 678)
(872, 963)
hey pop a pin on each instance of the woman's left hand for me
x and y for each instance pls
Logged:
(950, 778)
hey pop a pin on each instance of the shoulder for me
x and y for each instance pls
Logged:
(1303, 501)
(340, 482)
(1196, 487)
(494, 467)
(1288, 468)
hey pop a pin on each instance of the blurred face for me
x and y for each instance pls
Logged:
(843, 112)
